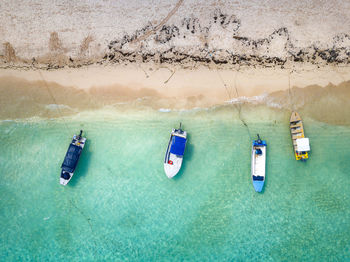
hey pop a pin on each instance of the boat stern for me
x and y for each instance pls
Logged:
(302, 149)
(301, 156)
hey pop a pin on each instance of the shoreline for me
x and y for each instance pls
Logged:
(321, 93)
(249, 81)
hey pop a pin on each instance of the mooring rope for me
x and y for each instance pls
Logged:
(229, 92)
(88, 219)
(53, 99)
(291, 96)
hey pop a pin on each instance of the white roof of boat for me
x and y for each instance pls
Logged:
(303, 144)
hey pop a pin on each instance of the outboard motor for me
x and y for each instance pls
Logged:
(80, 134)
(180, 130)
(259, 140)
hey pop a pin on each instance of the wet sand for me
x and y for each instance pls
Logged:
(322, 93)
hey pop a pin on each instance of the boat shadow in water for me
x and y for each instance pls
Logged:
(188, 154)
(83, 165)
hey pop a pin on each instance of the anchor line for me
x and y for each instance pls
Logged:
(239, 108)
(101, 237)
(89, 222)
(290, 93)
(228, 92)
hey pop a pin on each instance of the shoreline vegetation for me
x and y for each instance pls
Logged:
(243, 52)
(191, 42)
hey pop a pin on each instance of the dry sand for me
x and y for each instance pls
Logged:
(215, 86)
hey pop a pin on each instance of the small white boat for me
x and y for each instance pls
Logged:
(175, 151)
(72, 157)
(258, 163)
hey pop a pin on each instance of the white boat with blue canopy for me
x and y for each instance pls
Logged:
(72, 157)
(175, 151)
(258, 163)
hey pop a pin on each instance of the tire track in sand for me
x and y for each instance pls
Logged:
(172, 12)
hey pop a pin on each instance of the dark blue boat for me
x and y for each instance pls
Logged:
(71, 159)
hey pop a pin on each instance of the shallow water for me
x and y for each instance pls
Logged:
(120, 205)
(20, 98)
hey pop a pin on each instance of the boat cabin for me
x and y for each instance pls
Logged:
(178, 145)
(302, 147)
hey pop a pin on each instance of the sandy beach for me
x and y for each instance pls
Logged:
(170, 55)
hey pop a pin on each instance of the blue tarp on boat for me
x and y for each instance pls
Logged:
(178, 145)
(71, 159)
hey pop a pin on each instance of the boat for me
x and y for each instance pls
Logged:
(258, 163)
(72, 157)
(175, 152)
(301, 144)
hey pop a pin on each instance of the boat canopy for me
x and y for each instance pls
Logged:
(178, 145)
(303, 145)
(71, 159)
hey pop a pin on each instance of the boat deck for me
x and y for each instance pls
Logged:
(259, 162)
(296, 131)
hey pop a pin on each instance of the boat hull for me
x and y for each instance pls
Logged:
(173, 162)
(66, 175)
(297, 131)
(258, 165)
(171, 170)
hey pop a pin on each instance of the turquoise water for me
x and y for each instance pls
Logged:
(120, 206)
